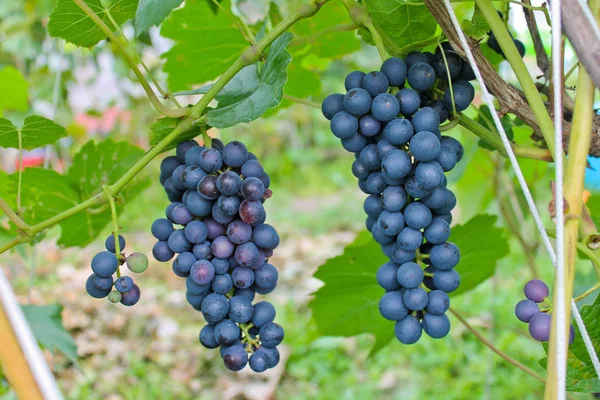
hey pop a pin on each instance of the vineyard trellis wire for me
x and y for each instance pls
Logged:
(558, 151)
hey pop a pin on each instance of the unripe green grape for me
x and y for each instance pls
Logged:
(137, 262)
(114, 296)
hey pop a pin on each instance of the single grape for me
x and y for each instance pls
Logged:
(202, 272)
(131, 297)
(447, 281)
(426, 119)
(436, 326)
(252, 212)
(409, 239)
(375, 183)
(252, 189)
(207, 337)
(370, 157)
(242, 277)
(429, 175)
(400, 256)
(390, 222)
(454, 145)
(102, 283)
(109, 243)
(539, 327)
(425, 146)
(417, 215)
(452, 64)
(181, 215)
(203, 251)
(196, 232)
(447, 158)
(259, 361)
(387, 276)
(246, 254)
(385, 107)
(440, 108)
(413, 188)
(266, 276)
(264, 313)
(399, 131)
(177, 178)
(440, 197)
(536, 290)
(195, 289)
(235, 358)
(252, 169)
(229, 183)
(409, 100)
(271, 335)
(466, 72)
(215, 307)
(229, 205)
(168, 165)
(414, 58)
(438, 231)
(393, 198)
(369, 126)
(438, 302)
(94, 291)
(207, 187)
(410, 275)
(161, 229)
(395, 70)
(161, 251)
(357, 102)
(105, 264)
(241, 308)
(526, 309)
(408, 330)
(416, 298)
(191, 177)
(235, 154)
(391, 306)
(396, 164)
(114, 297)
(355, 143)
(354, 80)
(375, 83)
(333, 104)
(520, 47)
(373, 205)
(421, 76)
(124, 284)
(462, 98)
(444, 256)
(182, 149)
(178, 243)
(226, 332)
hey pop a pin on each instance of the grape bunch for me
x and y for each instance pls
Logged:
(106, 264)
(390, 119)
(223, 245)
(494, 45)
(529, 311)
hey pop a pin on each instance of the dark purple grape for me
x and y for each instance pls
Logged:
(539, 327)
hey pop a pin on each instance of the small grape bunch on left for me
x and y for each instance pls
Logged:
(539, 319)
(106, 264)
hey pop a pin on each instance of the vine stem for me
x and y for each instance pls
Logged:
(161, 108)
(361, 17)
(18, 221)
(115, 223)
(338, 28)
(443, 53)
(301, 101)
(250, 56)
(494, 140)
(587, 292)
(249, 36)
(20, 181)
(579, 145)
(496, 350)
(520, 69)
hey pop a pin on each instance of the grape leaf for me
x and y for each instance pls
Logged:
(348, 303)
(13, 87)
(47, 326)
(44, 193)
(153, 12)
(581, 376)
(35, 132)
(69, 22)
(163, 126)
(481, 246)
(333, 44)
(98, 164)
(477, 27)
(245, 105)
(401, 24)
(203, 49)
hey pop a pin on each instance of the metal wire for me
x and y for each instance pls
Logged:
(559, 295)
(524, 187)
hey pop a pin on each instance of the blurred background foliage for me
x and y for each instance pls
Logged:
(151, 351)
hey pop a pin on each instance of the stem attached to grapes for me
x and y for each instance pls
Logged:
(443, 53)
(489, 344)
(115, 222)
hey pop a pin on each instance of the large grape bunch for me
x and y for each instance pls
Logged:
(390, 119)
(106, 264)
(539, 319)
(222, 245)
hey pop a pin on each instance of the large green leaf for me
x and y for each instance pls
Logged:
(163, 126)
(46, 324)
(401, 24)
(332, 44)
(153, 12)
(205, 44)
(98, 164)
(44, 193)
(481, 246)
(477, 27)
(581, 376)
(347, 304)
(35, 132)
(69, 22)
(243, 101)
(13, 87)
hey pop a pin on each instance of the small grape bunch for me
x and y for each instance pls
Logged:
(106, 264)
(390, 119)
(494, 45)
(216, 226)
(539, 319)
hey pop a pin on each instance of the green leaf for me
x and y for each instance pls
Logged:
(44, 193)
(581, 376)
(69, 22)
(348, 303)
(205, 44)
(153, 12)
(481, 246)
(35, 132)
(163, 126)
(13, 87)
(333, 44)
(244, 102)
(98, 164)
(401, 24)
(477, 27)
(47, 326)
